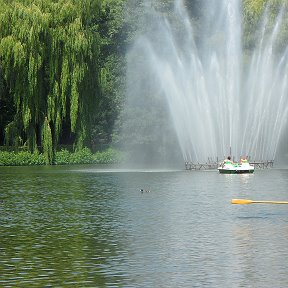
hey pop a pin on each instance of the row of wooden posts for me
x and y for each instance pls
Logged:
(210, 164)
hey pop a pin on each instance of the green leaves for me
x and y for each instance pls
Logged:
(22, 158)
(47, 142)
(254, 7)
(254, 12)
(46, 48)
(63, 157)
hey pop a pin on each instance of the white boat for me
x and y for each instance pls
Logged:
(228, 167)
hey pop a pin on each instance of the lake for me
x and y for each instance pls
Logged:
(90, 226)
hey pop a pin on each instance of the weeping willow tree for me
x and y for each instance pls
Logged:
(49, 60)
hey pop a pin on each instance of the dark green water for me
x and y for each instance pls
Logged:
(87, 227)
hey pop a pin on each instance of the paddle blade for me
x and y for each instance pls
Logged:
(241, 201)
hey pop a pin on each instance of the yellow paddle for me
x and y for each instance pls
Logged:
(246, 201)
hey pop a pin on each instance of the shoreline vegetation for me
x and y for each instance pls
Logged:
(62, 157)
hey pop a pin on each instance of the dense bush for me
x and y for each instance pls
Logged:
(63, 157)
(83, 156)
(23, 158)
(107, 157)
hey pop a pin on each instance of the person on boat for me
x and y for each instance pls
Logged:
(243, 160)
(228, 160)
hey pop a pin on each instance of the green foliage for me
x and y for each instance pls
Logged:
(23, 158)
(253, 12)
(47, 142)
(108, 156)
(48, 54)
(83, 156)
(113, 31)
(63, 157)
(61, 62)
(253, 8)
(13, 132)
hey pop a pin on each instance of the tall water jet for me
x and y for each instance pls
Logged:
(217, 96)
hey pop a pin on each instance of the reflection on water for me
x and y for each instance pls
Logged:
(261, 253)
(85, 227)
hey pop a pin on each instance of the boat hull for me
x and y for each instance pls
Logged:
(236, 168)
(225, 171)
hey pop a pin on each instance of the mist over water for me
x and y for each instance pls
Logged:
(200, 84)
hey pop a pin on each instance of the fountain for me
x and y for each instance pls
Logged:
(201, 81)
